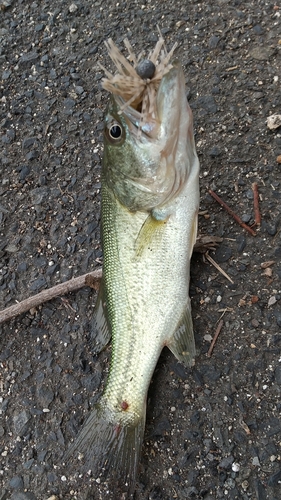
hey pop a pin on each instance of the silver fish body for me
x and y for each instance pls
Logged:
(150, 198)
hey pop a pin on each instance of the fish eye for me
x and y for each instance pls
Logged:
(115, 132)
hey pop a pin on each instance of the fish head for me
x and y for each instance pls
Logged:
(148, 158)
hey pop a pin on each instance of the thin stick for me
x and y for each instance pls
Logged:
(256, 203)
(89, 279)
(217, 332)
(230, 211)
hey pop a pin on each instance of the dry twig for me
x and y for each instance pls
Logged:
(232, 213)
(217, 332)
(256, 203)
(89, 279)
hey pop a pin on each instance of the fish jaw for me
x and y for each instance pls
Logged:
(179, 160)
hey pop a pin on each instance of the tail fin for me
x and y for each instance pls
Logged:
(110, 449)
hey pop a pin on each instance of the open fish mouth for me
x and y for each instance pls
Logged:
(164, 119)
(137, 122)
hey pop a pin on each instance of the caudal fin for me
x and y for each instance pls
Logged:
(111, 450)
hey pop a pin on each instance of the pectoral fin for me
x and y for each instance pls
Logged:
(150, 234)
(100, 333)
(182, 342)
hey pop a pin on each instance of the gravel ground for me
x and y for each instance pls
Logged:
(214, 431)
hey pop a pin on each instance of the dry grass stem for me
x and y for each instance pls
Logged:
(215, 264)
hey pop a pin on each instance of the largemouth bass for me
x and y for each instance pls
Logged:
(150, 198)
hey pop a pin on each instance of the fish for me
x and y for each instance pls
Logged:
(149, 213)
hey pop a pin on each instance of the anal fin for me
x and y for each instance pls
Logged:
(100, 333)
(193, 234)
(182, 342)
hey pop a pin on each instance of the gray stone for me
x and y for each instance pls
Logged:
(274, 479)
(20, 421)
(277, 374)
(226, 462)
(16, 483)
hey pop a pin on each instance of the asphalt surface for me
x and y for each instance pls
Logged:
(213, 431)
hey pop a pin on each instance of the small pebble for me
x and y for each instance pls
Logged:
(72, 8)
(246, 218)
(208, 338)
(245, 485)
(20, 420)
(16, 483)
(277, 374)
(6, 74)
(271, 301)
(274, 121)
(223, 253)
(213, 42)
(250, 194)
(275, 479)
(235, 467)
(241, 243)
(226, 462)
(258, 30)
(271, 229)
(79, 89)
(256, 461)
(215, 151)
